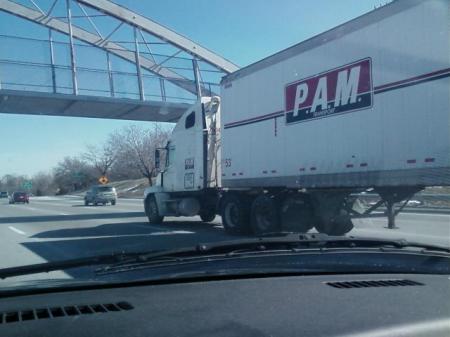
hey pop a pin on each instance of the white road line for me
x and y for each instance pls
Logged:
(182, 232)
(444, 215)
(18, 231)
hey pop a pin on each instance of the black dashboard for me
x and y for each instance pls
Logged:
(330, 305)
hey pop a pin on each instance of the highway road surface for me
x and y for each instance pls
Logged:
(57, 228)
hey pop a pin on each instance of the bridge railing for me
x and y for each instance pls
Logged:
(44, 66)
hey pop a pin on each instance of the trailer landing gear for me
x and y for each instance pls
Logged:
(391, 196)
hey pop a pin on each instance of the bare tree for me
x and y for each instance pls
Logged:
(42, 184)
(72, 174)
(11, 182)
(101, 157)
(136, 147)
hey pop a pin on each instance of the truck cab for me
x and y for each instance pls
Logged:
(189, 176)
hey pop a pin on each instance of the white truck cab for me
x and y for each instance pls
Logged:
(190, 171)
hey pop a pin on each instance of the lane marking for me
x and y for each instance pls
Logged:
(18, 231)
(182, 232)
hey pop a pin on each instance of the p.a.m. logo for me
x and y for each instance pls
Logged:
(336, 91)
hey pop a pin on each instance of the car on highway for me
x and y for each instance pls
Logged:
(100, 194)
(3, 194)
(19, 197)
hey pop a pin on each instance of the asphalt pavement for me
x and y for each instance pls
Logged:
(58, 228)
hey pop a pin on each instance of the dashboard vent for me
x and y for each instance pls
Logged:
(55, 312)
(372, 284)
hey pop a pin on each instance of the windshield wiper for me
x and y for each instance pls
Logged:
(270, 242)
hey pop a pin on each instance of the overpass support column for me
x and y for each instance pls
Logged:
(110, 75)
(52, 60)
(138, 66)
(72, 49)
(197, 78)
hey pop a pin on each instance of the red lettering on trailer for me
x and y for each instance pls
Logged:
(344, 89)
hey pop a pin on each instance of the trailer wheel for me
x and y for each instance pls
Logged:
(151, 210)
(207, 215)
(264, 215)
(235, 214)
(338, 225)
(296, 214)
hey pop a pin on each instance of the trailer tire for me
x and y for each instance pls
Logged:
(207, 215)
(235, 214)
(265, 215)
(152, 212)
(339, 225)
(296, 214)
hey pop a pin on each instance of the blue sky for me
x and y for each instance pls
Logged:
(242, 31)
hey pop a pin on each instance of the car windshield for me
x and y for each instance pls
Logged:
(105, 189)
(135, 127)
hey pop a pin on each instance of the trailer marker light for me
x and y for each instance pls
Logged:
(411, 161)
(302, 169)
(241, 174)
(349, 165)
(429, 160)
(234, 174)
(363, 165)
(312, 168)
(274, 171)
(264, 172)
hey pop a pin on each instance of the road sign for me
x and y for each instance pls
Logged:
(78, 175)
(103, 180)
(27, 184)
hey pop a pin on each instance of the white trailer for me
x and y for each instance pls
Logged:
(362, 106)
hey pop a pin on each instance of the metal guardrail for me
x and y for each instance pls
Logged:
(48, 69)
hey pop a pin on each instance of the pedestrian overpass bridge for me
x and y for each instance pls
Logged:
(94, 58)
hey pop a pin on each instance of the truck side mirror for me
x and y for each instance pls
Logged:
(157, 159)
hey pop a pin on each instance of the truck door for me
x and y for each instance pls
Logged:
(169, 174)
(184, 168)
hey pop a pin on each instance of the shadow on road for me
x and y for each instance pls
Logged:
(122, 229)
(50, 218)
(120, 237)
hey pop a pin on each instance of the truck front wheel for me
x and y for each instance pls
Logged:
(235, 214)
(151, 210)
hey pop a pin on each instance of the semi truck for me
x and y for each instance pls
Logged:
(293, 137)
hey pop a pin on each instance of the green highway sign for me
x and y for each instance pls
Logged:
(27, 184)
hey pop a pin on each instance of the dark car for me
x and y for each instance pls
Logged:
(3, 194)
(19, 197)
(100, 194)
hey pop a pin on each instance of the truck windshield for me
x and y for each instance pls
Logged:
(326, 118)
